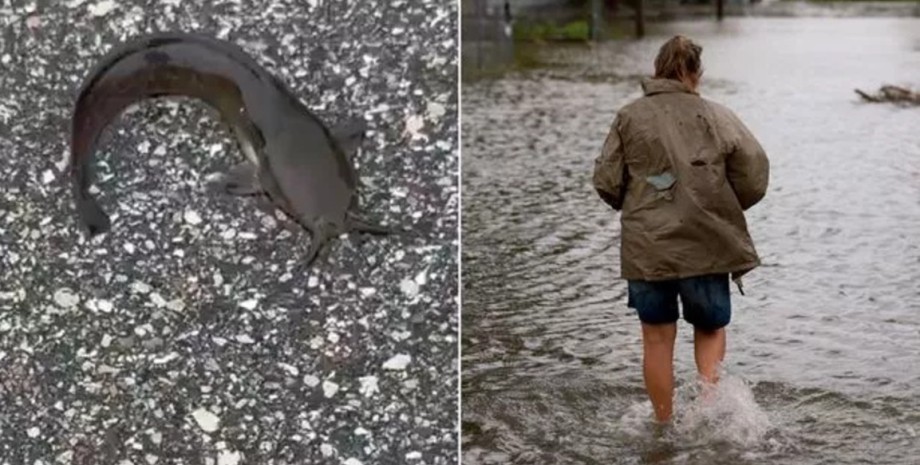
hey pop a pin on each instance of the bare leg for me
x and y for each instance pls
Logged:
(658, 367)
(709, 350)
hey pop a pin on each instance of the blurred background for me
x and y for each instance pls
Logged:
(823, 362)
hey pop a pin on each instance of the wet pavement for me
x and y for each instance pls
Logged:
(186, 335)
(823, 362)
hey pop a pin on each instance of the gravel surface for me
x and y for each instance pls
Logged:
(184, 336)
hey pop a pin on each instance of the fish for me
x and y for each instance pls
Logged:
(299, 163)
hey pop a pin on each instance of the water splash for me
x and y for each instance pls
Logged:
(727, 413)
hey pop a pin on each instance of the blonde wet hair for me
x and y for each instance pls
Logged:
(679, 59)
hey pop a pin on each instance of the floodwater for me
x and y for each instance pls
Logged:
(823, 362)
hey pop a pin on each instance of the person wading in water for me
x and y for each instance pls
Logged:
(682, 170)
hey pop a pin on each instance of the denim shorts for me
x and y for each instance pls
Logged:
(705, 300)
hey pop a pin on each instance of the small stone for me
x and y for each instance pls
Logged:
(165, 359)
(140, 288)
(414, 125)
(33, 432)
(290, 369)
(353, 461)
(369, 385)
(398, 362)
(106, 340)
(326, 450)
(310, 381)
(66, 298)
(228, 458)
(421, 278)
(414, 455)
(244, 339)
(102, 8)
(249, 304)
(330, 389)
(47, 177)
(192, 217)
(176, 305)
(435, 110)
(409, 288)
(206, 420)
(105, 306)
(157, 299)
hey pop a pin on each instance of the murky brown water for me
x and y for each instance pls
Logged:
(824, 350)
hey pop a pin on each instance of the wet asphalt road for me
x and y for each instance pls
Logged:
(184, 335)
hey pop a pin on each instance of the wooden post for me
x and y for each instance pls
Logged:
(640, 19)
(595, 19)
(720, 9)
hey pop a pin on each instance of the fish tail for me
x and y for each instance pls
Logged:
(94, 219)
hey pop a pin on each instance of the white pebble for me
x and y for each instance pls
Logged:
(330, 388)
(249, 304)
(176, 305)
(157, 299)
(102, 8)
(66, 298)
(353, 461)
(409, 288)
(165, 359)
(398, 362)
(422, 277)
(369, 385)
(141, 288)
(192, 217)
(33, 432)
(228, 458)
(244, 339)
(310, 380)
(414, 125)
(206, 420)
(105, 306)
(435, 110)
(291, 369)
(48, 177)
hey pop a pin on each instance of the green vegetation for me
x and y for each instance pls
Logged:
(575, 31)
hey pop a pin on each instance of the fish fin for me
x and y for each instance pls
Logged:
(356, 224)
(349, 135)
(94, 219)
(318, 241)
(242, 179)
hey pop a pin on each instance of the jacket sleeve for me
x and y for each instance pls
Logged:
(747, 166)
(610, 169)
